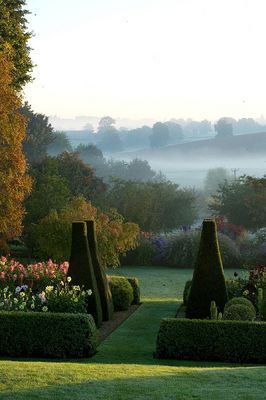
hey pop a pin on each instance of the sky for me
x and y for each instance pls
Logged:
(159, 59)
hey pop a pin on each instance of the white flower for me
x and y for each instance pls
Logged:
(69, 279)
(76, 287)
(15, 300)
(32, 306)
(49, 288)
(45, 309)
(24, 287)
(21, 307)
(89, 292)
(22, 294)
(6, 289)
(18, 289)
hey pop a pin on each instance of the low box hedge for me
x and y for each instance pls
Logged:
(209, 340)
(122, 292)
(53, 335)
(134, 282)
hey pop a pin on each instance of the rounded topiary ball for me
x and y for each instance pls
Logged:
(239, 312)
(122, 292)
(240, 300)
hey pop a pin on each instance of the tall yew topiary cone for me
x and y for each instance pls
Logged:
(208, 283)
(81, 269)
(100, 275)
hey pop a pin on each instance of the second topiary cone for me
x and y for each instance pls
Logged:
(100, 274)
(208, 283)
(81, 269)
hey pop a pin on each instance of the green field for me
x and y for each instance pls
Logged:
(124, 367)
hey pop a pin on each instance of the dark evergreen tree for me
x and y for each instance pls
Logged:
(81, 269)
(208, 283)
(100, 274)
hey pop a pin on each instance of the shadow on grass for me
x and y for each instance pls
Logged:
(243, 383)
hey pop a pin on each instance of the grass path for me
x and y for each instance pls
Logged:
(124, 367)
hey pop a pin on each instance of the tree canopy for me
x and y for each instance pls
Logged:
(14, 33)
(242, 202)
(14, 182)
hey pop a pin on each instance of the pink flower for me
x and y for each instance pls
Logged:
(15, 277)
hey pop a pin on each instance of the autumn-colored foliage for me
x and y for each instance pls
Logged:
(14, 182)
(53, 233)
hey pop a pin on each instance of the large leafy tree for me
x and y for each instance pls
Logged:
(14, 182)
(56, 181)
(39, 134)
(52, 235)
(242, 202)
(154, 206)
(13, 31)
(160, 135)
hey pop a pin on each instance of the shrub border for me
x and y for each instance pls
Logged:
(52, 335)
(209, 340)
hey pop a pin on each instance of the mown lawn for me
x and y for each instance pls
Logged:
(124, 367)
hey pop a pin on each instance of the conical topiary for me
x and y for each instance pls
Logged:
(81, 269)
(208, 283)
(100, 274)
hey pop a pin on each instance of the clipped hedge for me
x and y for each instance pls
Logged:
(81, 269)
(52, 335)
(208, 282)
(122, 292)
(134, 282)
(209, 340)
(242, 301)
(239, 312)
(100, 273)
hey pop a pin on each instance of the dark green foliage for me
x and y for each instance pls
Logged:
(39, 134)
(122, 292)
(14, 32)
(134, 282)
(263, 307)
(242, 202)
(81, 269)
(240, 300)
(208, 283)
(154, 206)
(186, 291)
(234, 288)
(53, 335)
(181, 250)
(239, 312)
(100, 274)
(206, 340)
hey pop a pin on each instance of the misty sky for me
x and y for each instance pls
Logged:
(149, 58)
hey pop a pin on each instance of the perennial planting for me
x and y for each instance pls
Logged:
(42, 286)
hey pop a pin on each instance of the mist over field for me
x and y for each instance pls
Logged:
(192, 173)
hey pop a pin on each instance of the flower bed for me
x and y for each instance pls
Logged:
(42, 314)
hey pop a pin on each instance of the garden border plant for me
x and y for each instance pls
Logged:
(53, 335)
(210, 340)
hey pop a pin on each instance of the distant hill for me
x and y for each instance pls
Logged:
(239, 146)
